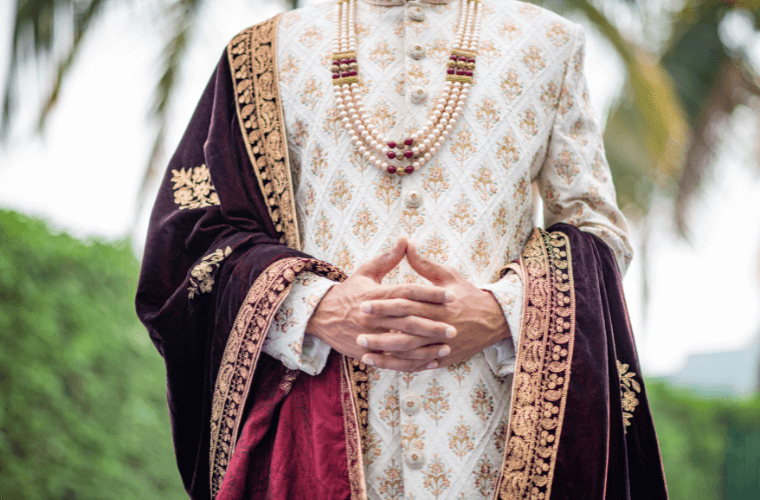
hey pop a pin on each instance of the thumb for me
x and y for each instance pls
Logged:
(436, 273)
(384, 263)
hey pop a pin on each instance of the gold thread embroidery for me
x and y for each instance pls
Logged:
(242, 352)
(542, 373)
(353, 385)
(202, 275)
(253, 62)
(287, 380)
(193, 188)
(628, 389)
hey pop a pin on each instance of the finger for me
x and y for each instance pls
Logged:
(394, 363)
(377, 267)
(418, 326)
(398, 308)
(423, 353)
(436, 273)
(420, 293)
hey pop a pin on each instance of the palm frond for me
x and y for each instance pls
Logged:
(34, 40)
(181, 16)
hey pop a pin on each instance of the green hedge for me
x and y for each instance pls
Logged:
(82, 392)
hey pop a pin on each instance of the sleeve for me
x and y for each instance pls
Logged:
(508, 291)
(287, 339)
(575, 181)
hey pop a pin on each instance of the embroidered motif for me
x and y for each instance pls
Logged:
(193, 189)
(202, 275)
(628, 389)
(252, 57)
(542, 374)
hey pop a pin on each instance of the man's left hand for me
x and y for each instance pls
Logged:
(475, 313)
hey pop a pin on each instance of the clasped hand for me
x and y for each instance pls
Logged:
(408, 327)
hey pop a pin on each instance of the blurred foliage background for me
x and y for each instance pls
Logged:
(82, 405)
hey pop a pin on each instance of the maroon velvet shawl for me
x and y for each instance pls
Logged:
(221, 254)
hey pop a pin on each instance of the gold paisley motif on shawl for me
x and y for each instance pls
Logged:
(252, 57)
(542, 373)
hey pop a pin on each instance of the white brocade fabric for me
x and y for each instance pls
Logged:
(439, 434)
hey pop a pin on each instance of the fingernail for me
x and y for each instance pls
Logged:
(444, 351)
(451, 332)
(368, 361)
(362, 340)
(366, 307)
(432, 364)
(449, 296)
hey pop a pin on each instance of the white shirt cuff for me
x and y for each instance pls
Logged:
(508, 291)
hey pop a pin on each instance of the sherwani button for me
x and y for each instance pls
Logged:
(413, 198)
(411, 404)
(414, 459)
(415, 12)
(416, 51)
(418, 95)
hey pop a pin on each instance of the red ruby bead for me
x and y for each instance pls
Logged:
(471, 60)
(344, 61)
(409, 169)
(460, 72)
(451, 71)
(344, 74)
(353, 72)
(336, 76)
(408, 141)
(390, 154)
(408, 153)
(453, 57)
(353, 60)
(391, 169)
(392, 145)
(469, 73)
(336, 62)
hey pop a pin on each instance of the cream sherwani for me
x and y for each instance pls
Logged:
(439, 434)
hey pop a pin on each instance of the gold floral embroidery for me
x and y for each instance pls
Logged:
(390, 414)
(511, 84)
(549, 96)
(382, 56)
(485, 476)
(460, 218)
(435, 249)
(435, 180)
(567, 166)
(508, 152)
(202, 275)
(488, 113)
(542, 372)
(481, 256)
(387, 190)
(460, 441)
(193, 189)
(464, 146)
(436, 402)
(509, 30)
(557, 35)
(310, 36)
(459, 371)
(529, 123)
(392, 484)
(365, 225)
(488, 52)
(629, 386)
(482, 401)
(438, 477)
(534, 59)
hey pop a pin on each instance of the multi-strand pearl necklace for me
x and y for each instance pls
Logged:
(409, 154)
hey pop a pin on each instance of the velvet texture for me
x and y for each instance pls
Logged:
(292, 442)
(597, 457)
(191, 334)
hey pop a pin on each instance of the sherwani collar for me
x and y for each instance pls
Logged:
(396, 3)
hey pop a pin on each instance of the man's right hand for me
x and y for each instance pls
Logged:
(342, 316)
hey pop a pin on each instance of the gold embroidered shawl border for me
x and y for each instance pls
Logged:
(542, 373)
(253, 62)
(242, 352)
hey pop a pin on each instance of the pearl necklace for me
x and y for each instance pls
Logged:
(420, 146)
